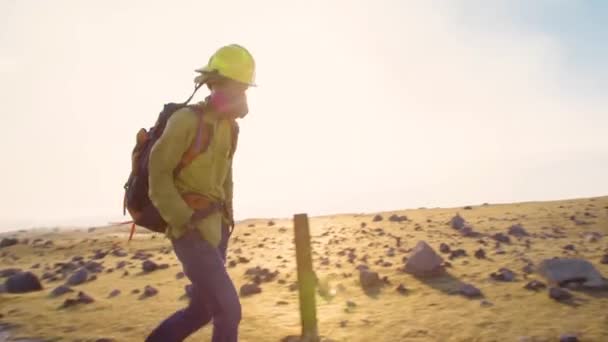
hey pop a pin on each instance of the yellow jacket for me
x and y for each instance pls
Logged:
(209, 174)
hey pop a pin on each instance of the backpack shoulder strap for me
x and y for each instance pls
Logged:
(204, 134)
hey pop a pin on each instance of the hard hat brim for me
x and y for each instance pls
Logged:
(206, 69)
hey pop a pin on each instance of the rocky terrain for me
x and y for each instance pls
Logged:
(491, 272)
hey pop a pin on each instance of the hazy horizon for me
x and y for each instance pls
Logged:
(360, 107)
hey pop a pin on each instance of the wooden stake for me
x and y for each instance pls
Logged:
(306, 279)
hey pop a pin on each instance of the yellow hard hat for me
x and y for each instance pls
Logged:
(233, 62)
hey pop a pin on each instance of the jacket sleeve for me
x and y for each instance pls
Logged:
(165, 155)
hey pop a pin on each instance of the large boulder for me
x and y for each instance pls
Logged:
(423, 260)
(22, 282)
(565, 270)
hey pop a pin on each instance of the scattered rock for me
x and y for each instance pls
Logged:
(444, 248)
(500, 237)
(457, 253)
(22, 282)
(121, 264)
(282, 302)
(369, 279)
(468, 207)
(486, 304)
(180, 275)
(377, 218)
(469, 291)
(467, 231)
(604, 260)
(423, 261)
(559, 294)
(401, 289)
(250, 289)
(7, 242)
(480, 253)
(535, 285)
(149, 266)
(517, 230)
(81, 298)
(271, 223)
(93, 267)
(149, 291)
(78, 277)
(568, 338)
(397, 218)
(114, 293)
(564, 270)
(99, 254)
(457, 222)
(503, 274)
(60, 290)
(569, 247)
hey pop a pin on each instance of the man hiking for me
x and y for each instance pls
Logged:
(196, 201)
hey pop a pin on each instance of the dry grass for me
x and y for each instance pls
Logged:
(428, 312)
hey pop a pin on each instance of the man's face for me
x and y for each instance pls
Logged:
(228, 87)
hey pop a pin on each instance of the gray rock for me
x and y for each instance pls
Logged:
(114, 293)
(149, 266)
(457, 222)
(397, 218)
(517, 230)
(93, 267)
(377, 218)
(500, 237)
(78, 277)
(480, 253)
(503, 274)
(559, 294)
(604, 260)
(423, 260)
(444, 248)
(149, 291)
(60, 290)
(22, 282)
(569, 338)
(457, 253)
(469, 291)
(250, 289)
(7, 242)
(535, 285)
(369, 279)
(99, 254)
(81, 298)
(563, 270)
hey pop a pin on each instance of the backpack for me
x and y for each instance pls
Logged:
(136, 200)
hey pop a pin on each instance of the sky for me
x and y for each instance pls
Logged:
(362, 106)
